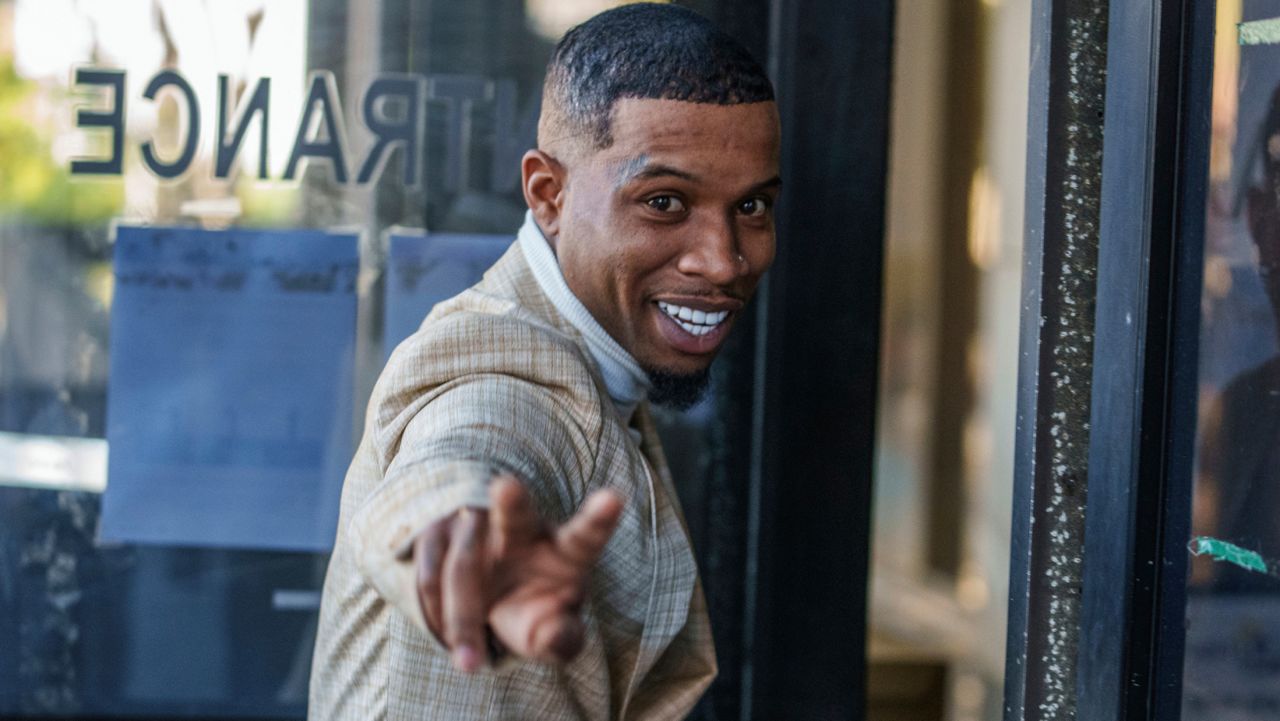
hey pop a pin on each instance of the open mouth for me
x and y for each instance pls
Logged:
(695, 322)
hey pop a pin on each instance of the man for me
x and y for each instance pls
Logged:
(455, 590)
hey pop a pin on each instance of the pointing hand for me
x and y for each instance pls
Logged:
(509, 568)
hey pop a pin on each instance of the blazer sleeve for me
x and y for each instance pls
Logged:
(466, 399)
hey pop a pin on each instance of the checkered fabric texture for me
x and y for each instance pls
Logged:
(495, 380)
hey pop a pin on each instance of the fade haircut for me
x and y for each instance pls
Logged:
(645, 50)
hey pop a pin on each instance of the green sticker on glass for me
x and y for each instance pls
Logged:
(1220, 550)
(1259, 32)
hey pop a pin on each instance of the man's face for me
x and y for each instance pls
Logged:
(664, 235)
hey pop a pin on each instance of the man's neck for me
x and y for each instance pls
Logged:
(625, 380)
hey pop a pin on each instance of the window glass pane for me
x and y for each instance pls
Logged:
(215, 221)
(1232, 666)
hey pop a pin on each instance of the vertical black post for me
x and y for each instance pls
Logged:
(1097, 589)
(1183, 383)
(1051, 456)
(817, 364)
(1144, 383)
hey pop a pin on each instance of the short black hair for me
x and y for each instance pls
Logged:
(645, 50)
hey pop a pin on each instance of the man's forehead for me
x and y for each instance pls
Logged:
(670, 137)
(658, 119)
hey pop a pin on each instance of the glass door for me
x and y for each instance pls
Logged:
(1232, 663)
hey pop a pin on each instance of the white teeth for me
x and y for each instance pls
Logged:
(695, 322)
(697, 329)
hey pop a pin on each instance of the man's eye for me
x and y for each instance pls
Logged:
(754, 207)
(666, 204)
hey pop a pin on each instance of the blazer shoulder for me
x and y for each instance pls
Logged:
(480, 333)
(474, 337)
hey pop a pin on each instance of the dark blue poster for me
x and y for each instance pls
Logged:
(229, 419)
(423, 270)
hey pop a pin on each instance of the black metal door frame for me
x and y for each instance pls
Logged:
(808, 375)
(1104, 639)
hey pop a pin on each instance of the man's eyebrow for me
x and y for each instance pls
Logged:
(639, 168)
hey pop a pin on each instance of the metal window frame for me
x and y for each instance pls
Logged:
(1142, 406)
(1145, 376)
(817, 365)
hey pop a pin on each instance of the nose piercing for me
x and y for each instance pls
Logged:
(741, 259)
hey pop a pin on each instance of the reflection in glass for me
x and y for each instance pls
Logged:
(95, 628)
(1232, 667)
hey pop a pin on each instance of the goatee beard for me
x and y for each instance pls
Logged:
(680, 391)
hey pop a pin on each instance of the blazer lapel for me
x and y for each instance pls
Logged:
(675, 572)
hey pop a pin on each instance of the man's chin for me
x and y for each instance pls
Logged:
(680, 391)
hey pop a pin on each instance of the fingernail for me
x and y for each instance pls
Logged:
(466, 658)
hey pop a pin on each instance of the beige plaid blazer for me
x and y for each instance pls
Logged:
(495, 379)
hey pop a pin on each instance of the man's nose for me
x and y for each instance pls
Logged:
(713, 252)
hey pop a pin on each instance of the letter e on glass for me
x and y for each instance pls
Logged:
(112, 118)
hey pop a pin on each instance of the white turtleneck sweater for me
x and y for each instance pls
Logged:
(626, 382)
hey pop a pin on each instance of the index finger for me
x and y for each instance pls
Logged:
(462, 596)
(428, 557)
(584, 537)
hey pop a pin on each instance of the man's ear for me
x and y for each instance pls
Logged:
(543, 179)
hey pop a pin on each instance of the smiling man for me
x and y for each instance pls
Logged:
(510, 544)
